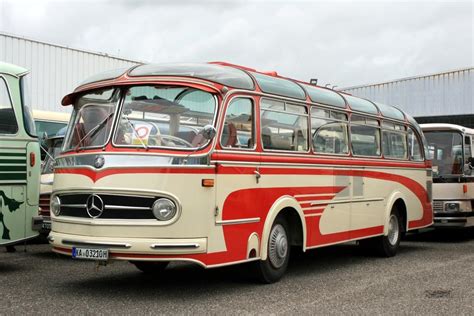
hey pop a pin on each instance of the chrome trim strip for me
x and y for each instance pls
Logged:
(451, 218)
(174, 245)
(238, 221)
(120, 207)
(74, 205)
(347, 201)
(95, 243)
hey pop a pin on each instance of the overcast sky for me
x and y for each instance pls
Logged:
(344, 43)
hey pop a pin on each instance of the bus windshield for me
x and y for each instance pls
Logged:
(160, 116)
(92, 119)
(445, 150)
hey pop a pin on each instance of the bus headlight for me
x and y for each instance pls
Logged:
(55, 206)
(451, 207)
(164, 209)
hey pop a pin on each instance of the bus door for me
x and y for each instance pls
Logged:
(368, 194)
(238, 168)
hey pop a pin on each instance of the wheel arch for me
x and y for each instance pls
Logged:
(291, 209)
(397, 199)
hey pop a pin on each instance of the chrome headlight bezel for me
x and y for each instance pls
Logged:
(164, 209)
(55, 206)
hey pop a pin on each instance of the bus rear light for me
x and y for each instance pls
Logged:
(32, 159)
(208, 183)
(464, 188)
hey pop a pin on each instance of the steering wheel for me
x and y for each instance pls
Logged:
(176, 139)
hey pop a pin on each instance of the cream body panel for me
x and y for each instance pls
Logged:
(452, 191)
(195, 221)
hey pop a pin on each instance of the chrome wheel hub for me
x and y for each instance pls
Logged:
(278, 246)
(393, 230)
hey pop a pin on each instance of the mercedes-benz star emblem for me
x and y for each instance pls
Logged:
(94, 206)
(99, 162)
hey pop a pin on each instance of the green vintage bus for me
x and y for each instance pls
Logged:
(19, 158)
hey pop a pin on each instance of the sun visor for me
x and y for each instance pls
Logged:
(69, 99)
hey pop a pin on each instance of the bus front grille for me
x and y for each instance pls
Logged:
(438, 206)
(107, 206)
(44, 204)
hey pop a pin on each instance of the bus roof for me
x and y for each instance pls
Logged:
(240, 77)
(446, 127)
(51, 116)
(11, 69)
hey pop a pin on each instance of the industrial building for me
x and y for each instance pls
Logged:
(55, 70)
(445, 97)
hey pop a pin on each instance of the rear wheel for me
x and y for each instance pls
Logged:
(278, 253)
(150, 267)
(387, 246)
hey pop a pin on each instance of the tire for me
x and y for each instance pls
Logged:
(278, 253)
(150, 267)
(386, 246)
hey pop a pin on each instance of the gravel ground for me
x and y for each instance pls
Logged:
(432, 274)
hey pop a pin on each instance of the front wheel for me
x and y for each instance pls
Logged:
(387, 246)
(150, 267)
(278, 253)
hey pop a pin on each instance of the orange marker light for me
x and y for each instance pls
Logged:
(32, 159)
(208, 183)
(464, 188)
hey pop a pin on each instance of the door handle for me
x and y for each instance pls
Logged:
(257, 174)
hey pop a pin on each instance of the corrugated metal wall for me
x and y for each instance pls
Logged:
(449, 93)
(55, 70)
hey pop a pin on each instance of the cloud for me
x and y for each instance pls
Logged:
(340, 42)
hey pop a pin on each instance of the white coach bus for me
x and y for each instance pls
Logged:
(220, 164)
(450, 148)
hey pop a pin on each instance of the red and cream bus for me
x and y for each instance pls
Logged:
(220, 164)
(450, 147)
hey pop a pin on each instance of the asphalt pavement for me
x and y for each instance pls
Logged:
(433, 274)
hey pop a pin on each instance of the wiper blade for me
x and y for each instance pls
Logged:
(93, 131)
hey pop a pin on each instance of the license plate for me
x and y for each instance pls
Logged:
(90, 253)
(46, 225)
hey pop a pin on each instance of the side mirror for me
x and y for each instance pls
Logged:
(209, 132)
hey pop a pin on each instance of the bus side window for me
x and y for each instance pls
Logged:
(394, 145)
(8, 124)
(284, 126)
(365, 136)
(414, 148)
(329, 135)
(238, 130)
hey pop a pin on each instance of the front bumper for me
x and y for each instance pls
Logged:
(131, 248)
(458, 219)
(41, 224)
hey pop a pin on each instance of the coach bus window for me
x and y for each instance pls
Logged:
(394, 144)
(8, 123)
(365, 136)
(284, 126)
(329, 131)
(414, 148)
(238, 130)
(171, 117)
(92, 119)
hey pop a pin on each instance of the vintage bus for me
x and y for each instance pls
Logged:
(450, 148)
(220, 164)
(19, 158)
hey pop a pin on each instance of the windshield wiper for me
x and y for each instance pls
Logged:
(93, 131)
(135, 132)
